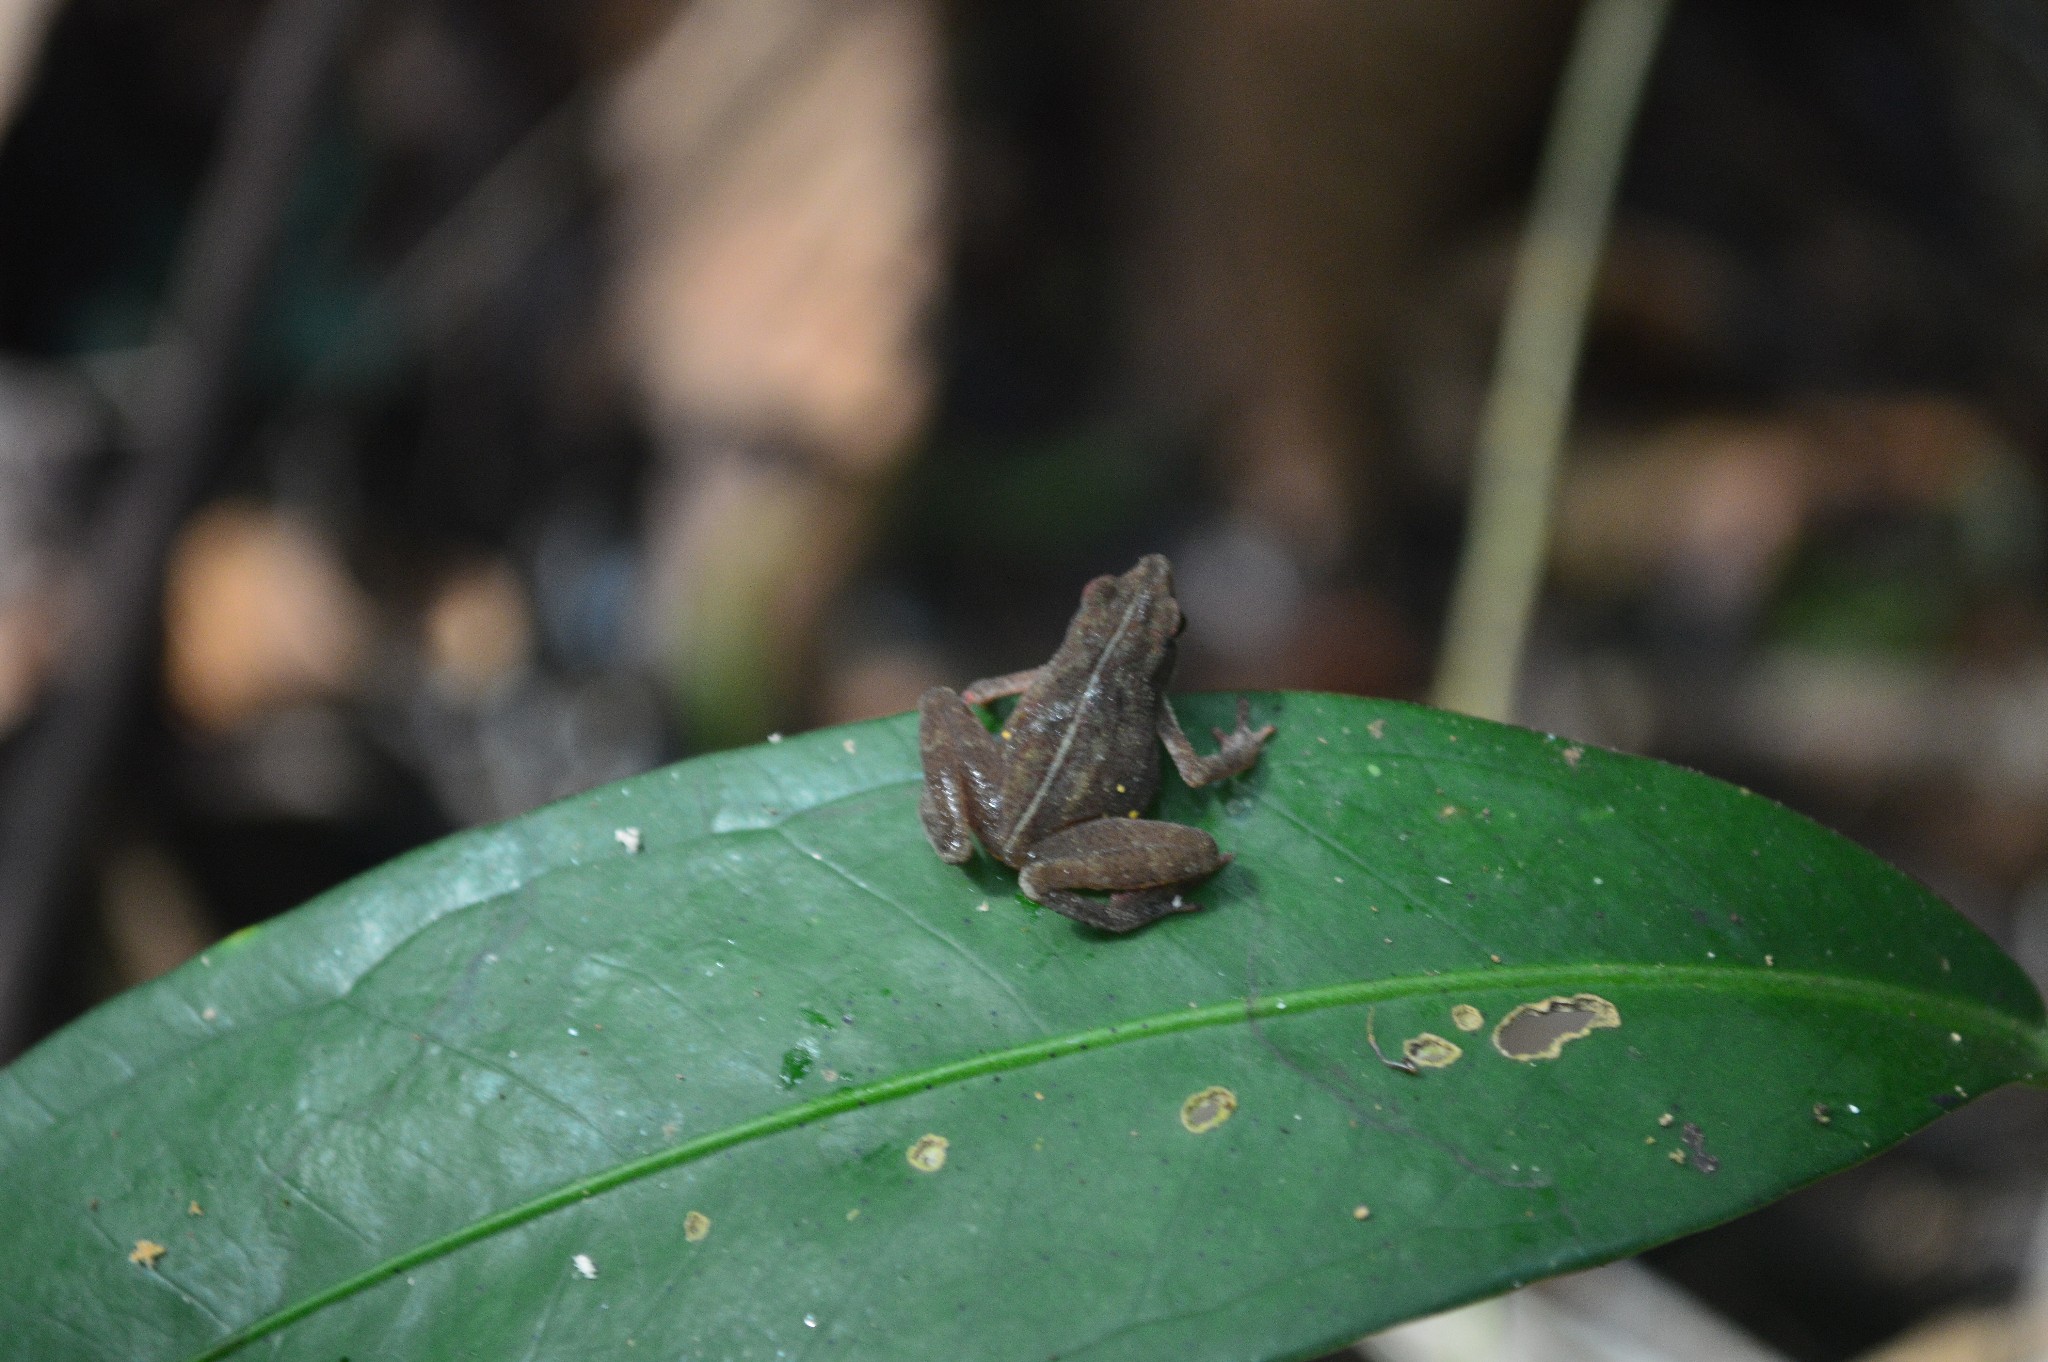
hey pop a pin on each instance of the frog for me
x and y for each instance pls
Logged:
(1057, 793)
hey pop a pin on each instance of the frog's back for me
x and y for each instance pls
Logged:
(1082, 740)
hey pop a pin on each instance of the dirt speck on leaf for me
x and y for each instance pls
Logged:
(928, 1154)
(695, 1226)
(1696, 1140)
(1431, 1051)
(796, 1062)
(1541, 1030)
(1207, 1109)
(1467, 1017)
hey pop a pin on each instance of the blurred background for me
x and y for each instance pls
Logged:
(411, 413)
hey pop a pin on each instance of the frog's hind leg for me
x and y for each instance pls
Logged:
(953, 747)
(1144, 867)
(1121, 912)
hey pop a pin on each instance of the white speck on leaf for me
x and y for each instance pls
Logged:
(629, 838)
(584, 1267)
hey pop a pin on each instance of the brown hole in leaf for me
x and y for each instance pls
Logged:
(1207, 1109)
(695, 1226)
(1536, 1031)
(1467, 1017)
(928, 1154)
(1431, 1051)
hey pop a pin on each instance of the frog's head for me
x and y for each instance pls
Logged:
(1141, 602)
(1128, 623)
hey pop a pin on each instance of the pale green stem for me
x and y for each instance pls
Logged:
(1528, 404)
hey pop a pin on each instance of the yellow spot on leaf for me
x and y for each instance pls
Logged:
(1467, 1017)
(697, 1224)
(1431, 1051)
(146, 1252)
(192, 1208)
(1207, 1109)
(928, 1154)
(1360, 1212)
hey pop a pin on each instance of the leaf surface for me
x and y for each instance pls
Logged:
(782, 1084)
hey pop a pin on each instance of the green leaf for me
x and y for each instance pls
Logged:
(411, 1119)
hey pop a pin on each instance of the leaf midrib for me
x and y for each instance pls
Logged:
(1879, 996)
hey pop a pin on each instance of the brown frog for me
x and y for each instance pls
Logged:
(1057, 793)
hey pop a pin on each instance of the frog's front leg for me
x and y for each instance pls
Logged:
(1142, 865)
(996, 687)
(1237, 751)
(961, 764)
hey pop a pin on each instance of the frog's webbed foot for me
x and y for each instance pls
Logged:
(996, 687)
(1237, 751)
(952, 746)
(1142, 865)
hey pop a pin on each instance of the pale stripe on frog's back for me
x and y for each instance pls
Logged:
(1085, 705)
